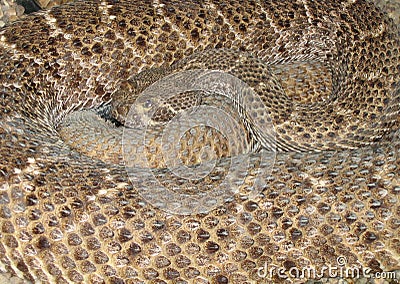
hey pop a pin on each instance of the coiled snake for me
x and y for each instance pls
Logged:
(331, 194)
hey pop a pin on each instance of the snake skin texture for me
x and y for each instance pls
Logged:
(66, 217)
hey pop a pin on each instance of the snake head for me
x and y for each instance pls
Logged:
(126, 108)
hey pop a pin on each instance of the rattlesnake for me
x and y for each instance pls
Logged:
(68, 217)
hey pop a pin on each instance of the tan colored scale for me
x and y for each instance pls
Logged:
(66, 217)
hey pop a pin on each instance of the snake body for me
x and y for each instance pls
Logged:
(66, 217)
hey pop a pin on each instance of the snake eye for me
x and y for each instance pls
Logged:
(148, 104)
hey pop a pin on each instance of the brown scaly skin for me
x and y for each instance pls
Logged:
(68, 218)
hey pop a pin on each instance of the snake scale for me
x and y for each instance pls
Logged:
(66, 217)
